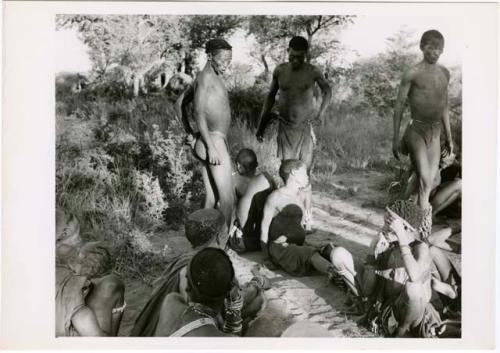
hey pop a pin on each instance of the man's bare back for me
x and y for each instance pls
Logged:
(246, 187)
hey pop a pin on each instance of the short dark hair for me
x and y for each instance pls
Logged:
(95, 259)
(217, 44)
(210, 275)
(247, 158)
(203, 226)
(430, 35)
(289, 165)
(298, 43)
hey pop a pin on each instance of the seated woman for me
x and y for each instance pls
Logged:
(89, 300)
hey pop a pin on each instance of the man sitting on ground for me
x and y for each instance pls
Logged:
(251, 189)
(89, 300)
(204, 228)
(282, 232)
(203, 311)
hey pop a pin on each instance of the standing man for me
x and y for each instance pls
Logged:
(295, 80)
(213, 117)
(426, 87)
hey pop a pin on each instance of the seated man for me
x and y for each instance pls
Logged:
(210, 280)
(282, 233)
(204, 228)
(251, 191)
(89, 300)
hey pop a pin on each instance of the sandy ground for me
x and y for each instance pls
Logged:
(346, 216)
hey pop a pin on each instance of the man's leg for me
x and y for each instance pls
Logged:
(221, 175)
(418, 154)
(106, 295)
(412, 308)
(209, 191)
(446, 195)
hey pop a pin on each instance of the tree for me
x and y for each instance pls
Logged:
(139, 44)
(273, 33)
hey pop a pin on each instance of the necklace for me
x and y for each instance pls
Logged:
(203, 310)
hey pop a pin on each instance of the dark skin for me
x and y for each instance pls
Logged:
(426, 87)
(213, 117)
(295, 80)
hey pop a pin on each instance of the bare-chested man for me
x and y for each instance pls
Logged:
(426, 86)
(295, 80)
(282, 234)
(213, 117)
(251, 189)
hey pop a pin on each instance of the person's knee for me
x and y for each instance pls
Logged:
(111, 286)
(342, 260)
(425, 182)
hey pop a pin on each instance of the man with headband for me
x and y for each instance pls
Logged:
(213, 117)
(204, 228)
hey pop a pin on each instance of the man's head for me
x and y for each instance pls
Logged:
(93, 260)
(432, 44)
(297, 51)
(210, 275)
(220, 53)
(294, 171)
(206, 227)
(246, 161)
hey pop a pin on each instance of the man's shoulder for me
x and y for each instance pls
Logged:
(445, 71)
(280, 68)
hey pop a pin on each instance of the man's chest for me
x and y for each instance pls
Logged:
(296, 81)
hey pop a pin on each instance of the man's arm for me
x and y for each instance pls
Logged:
(185, 99)
(201, 100)
(267, 217)
(326, 93)
(86, 324)
(268, 105)
(404, 89)
(446, 117)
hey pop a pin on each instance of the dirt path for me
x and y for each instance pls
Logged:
(346, 216)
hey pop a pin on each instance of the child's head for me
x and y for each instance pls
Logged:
(294, 170)
(92, 260)
(432, 44)
(246, 161)
(206, 227)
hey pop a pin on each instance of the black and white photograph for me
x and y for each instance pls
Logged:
(249, 175)
(257, 176)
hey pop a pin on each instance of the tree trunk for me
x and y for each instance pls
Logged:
(137, 83)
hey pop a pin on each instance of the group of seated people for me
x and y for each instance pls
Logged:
(394, 289)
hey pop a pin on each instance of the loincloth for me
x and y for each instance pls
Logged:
(295, 141)
(429, 132)
(218, 139)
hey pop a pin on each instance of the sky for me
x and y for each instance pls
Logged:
(365, 38)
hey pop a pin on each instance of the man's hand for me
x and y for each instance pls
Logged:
(449, 147)
(400, 227)
(190, 140)
(396, 148)
(281, 240)
(259, 136)
(213, 156)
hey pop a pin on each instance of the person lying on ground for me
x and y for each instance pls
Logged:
(211, 306)
(251, 189)
(203, 228)
(213, 117)
(282, 231)
(89, 299)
